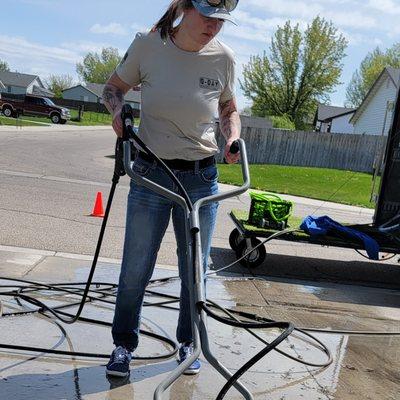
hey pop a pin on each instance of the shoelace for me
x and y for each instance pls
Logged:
(120, 355)
(188, 350)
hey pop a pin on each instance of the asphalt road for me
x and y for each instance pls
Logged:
(49, 178)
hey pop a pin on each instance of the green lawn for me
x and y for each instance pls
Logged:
(14, 122)
(318, 183)
(89, 119)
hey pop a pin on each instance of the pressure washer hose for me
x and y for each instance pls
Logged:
(24, 291)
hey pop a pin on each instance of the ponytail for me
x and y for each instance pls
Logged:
(166, 24)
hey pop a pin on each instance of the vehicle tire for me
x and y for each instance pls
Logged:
(55, 118)
(253, 259)
(234, 239)
(7, 112)
(63, 121)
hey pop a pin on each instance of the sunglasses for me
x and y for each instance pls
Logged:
(229, 5)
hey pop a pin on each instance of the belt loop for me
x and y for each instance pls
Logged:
(196, 167)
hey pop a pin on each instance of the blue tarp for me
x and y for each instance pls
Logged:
(316, 226)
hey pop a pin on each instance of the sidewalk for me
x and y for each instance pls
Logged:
(364, 367)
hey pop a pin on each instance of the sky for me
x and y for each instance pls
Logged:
(44, 37)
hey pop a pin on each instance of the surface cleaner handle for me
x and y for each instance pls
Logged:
(235, 147)
(127, 120)
(233, 192)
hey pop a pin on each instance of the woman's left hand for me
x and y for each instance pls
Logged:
(229, 157)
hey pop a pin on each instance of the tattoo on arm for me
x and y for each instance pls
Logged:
(229, 119)
(113, 98)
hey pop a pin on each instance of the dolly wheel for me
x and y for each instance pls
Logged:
(253, 259)
(235, 238)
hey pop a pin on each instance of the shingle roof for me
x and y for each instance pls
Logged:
(394, 74)
(97, 88)
(16, 79)
(42, 91)
(327, 112)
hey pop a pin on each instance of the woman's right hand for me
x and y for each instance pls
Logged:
(117, 124)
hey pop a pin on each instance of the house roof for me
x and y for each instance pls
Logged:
(97, 90)
(16, 79)
(393, 74)
(325, 112)
(42, 91)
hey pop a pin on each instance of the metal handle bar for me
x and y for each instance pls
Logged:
(127, 118)
(246, 182)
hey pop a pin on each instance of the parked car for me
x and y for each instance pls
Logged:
(13, 106)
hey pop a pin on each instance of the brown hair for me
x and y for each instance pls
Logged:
(166, 24)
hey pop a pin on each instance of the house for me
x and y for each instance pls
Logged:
(17, 83)
(333, 119)
(93, 92)
(374, 116)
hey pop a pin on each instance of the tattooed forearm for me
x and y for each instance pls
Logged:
(113, 98)
(229, 120)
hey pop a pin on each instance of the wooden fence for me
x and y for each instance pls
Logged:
(311, 149)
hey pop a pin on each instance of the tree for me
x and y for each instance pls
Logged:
(370, 68)
(282, 122)
(58, 83)
(4, 66)
(301, 70)
(97, 68)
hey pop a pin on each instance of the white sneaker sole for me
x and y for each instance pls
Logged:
(117, 373)
(191, 372)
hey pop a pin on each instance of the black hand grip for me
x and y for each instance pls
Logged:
(234, 147)
(127, 117)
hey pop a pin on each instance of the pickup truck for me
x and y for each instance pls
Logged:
(14, 105)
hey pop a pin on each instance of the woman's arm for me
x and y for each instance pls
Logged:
(113, 98)
(230, 127)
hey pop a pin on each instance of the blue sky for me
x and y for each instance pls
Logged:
(50, 36)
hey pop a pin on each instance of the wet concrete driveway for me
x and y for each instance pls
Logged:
(364, 366)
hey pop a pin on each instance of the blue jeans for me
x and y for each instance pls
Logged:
(147, 219)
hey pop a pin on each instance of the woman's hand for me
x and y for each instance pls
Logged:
(229, 157)
(117, 124)
(113, 98)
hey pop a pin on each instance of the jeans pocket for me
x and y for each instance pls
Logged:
(141, 168)
(209, 174)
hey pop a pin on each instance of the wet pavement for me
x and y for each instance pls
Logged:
(363, 367)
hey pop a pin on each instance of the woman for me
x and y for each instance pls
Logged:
(186, 77)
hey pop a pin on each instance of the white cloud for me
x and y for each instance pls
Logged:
(385, 6)
(34, 58)
(22, 49)
(113, 28)
(83, 47)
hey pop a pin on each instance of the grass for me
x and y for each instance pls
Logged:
(90, 118)
(338, 186)
(14, 122)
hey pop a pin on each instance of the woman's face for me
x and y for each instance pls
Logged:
(201, 29)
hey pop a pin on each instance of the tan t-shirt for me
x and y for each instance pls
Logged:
(180, 93)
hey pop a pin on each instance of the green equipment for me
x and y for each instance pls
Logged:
(267, 210)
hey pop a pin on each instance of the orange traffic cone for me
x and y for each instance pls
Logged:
(98, 210)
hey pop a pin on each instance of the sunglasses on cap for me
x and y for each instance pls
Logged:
(229, 5)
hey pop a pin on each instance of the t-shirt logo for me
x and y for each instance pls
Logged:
(208, 83)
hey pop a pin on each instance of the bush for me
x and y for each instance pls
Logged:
(282, 122)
